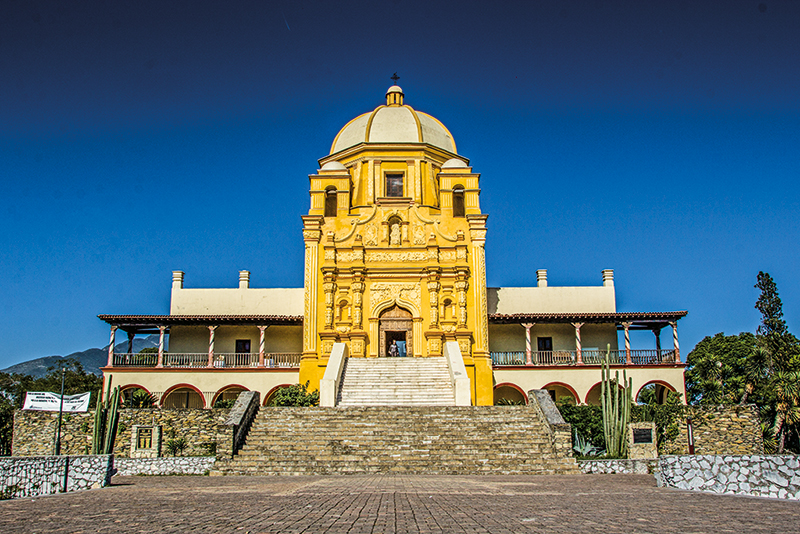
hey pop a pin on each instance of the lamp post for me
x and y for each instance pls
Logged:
(60, 411)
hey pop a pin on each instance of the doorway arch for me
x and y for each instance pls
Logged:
(396, 326)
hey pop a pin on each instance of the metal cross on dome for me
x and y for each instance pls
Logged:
(394, 78)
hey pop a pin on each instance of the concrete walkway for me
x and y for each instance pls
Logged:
(385, 503)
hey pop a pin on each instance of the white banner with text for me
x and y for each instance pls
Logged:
(45, 401)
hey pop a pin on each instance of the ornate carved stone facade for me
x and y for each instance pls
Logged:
(395, 242)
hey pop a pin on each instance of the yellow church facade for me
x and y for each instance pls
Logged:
(394, 267)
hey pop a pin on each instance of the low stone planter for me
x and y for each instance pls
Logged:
(181, 465)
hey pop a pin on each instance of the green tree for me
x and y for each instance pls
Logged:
(717, 368)
(14, 386)
(772, 372)
(773, 335)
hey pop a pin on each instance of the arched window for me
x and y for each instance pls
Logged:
(458, 201)
(330, 202)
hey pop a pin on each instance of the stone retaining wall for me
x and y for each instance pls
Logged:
(44, 475)
(732, 430)
(34, 431)
(624, 467)
(761, 476)
(195, 465)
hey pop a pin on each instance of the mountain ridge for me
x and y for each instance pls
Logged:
(91, 359)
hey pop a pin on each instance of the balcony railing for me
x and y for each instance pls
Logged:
(588, 357)
(198, 360)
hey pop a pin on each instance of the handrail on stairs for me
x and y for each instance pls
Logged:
(458, 373)
(329, 385)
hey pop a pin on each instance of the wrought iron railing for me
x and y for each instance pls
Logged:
(186, 359)
(221, 360)
(588, 357)
(290, 360)
(125, 359)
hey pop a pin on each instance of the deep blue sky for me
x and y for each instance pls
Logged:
(659, 139)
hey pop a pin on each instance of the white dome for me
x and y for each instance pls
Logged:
(394, 123)
(333, 166)
(454, 163)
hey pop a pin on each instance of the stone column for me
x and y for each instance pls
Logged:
(358, 301)
(328, 286)
(211, 330)
(433, 294)
(527, 327)
(111, 342)
(261, 345)
(311, 236)
(161, 331)
(674, 325)
(461, 286)
(628, 358)
(578, 353)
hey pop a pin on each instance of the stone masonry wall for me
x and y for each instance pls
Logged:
(621, 466)
(34, 431)
(761, 476)
(44, 475)
(195, 465)
(732, 430)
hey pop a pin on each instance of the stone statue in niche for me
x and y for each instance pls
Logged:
(394, 235)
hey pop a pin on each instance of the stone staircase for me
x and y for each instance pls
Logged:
(396, 382)
(395, 439)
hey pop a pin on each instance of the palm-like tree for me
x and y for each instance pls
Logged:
(786, 385)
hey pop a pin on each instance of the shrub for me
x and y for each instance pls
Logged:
(141, 399)
(225, 403)
(295, 395)
(585, 420)
(176, 446)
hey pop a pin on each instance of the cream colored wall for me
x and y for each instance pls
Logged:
(238, 301)
(511, 337)
(581, 379)
(208, 381)
(193, 339)
(590, 299)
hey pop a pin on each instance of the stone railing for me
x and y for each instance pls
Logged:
(30, 476)
(232, 433)
(191, 465)
(329, 385)
(458, 373)
(760, 476)
(560, 430)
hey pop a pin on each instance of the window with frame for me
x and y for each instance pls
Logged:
(394, 185)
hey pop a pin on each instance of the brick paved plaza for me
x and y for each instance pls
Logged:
(378, 503)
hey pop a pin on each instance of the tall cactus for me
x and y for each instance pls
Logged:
(616, 402)
(106, 417)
